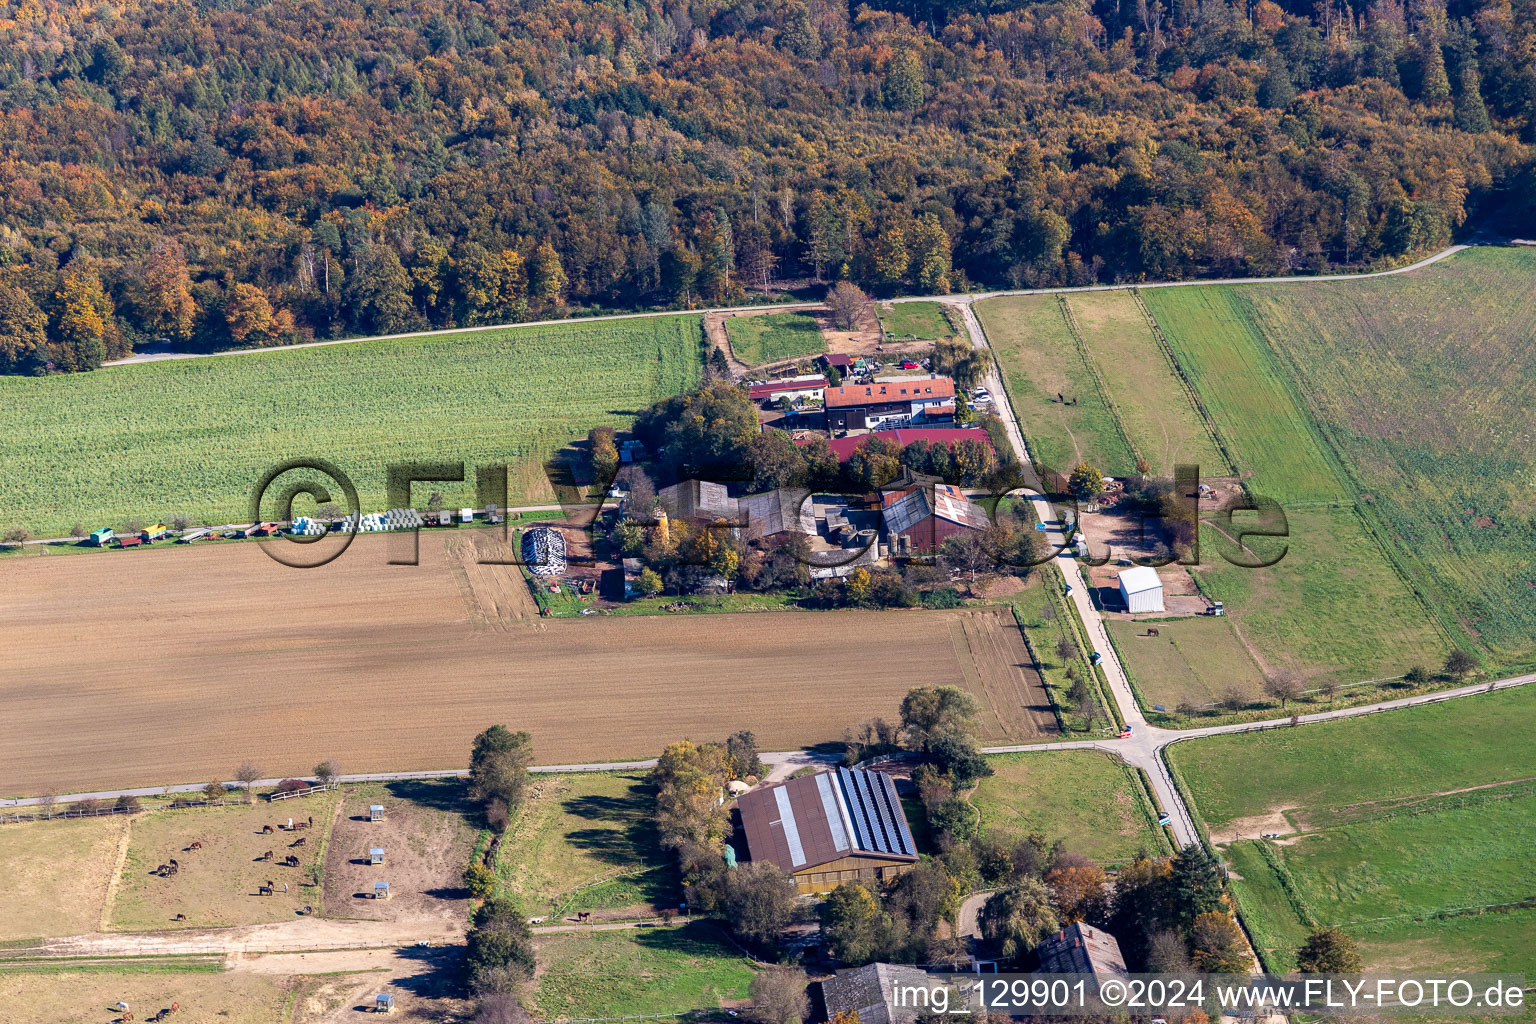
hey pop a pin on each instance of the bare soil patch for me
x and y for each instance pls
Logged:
(998, 669)
(425, 852)
(1269, 823)
(223, 655)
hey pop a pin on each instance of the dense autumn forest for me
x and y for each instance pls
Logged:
(238, 173)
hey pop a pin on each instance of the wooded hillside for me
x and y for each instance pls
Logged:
(244, 173)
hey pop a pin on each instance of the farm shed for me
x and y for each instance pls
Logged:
(772, 517)
(871, 993)
(829, 828)
(375, 855)
(1141, 589)
(703, 501)
(381, 890)
(790, 387)
(921, 517)
(1080, 949)
(375, 812)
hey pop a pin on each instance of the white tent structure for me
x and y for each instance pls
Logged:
(1141, 589)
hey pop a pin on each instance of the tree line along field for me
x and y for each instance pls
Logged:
(1411, 830)
(193, 437)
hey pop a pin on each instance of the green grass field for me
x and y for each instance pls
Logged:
(920, 321)
(584, 842)
(1155, 408)
(1332, 608)
(1089, 799)
(772, 337)
(1195, 660)
(1412, 395)
(1045, 622)
(1322, 770)
(626, 973)
(1411, 830)
(151, 440)
(1040, 359)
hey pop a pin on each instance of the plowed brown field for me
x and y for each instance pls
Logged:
(174, 665)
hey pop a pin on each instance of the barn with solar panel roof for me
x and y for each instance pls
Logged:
(829, 828)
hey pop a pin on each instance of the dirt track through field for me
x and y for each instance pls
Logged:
(175, 665)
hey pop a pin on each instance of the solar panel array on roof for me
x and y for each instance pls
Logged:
(874, 810)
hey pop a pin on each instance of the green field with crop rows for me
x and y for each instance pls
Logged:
(193, 437)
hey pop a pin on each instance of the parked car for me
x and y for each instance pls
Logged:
(908, 364)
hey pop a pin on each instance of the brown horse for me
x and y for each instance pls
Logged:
(267, 855)
(197, 844)
(267, 830)
(298, 842)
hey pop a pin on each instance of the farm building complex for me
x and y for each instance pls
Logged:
(829, 828)
(920, 517)
(891, 403)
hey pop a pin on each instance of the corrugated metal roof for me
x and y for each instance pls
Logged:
(787, 823)
(834, 809)
(1139, 579)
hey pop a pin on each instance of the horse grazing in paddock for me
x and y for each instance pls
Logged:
(197, 844)
(179, 917)
(263, 890)
(298, 842)
(267, 855)
(267, 830)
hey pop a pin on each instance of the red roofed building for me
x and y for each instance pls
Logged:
(893, 402)
(790, 387)
(919, 519)
(844, 447)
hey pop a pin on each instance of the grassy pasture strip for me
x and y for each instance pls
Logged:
(1105, 394)
(575, 842)
(774, 337)
(1194, 660)
(1315, 769)
(1039, 359)
(1223, 353)
(1224, 461)
(1090, 799)
(628, 973)
(1333, 608)
(1373, 877)
(194, 436)
(921, 321)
